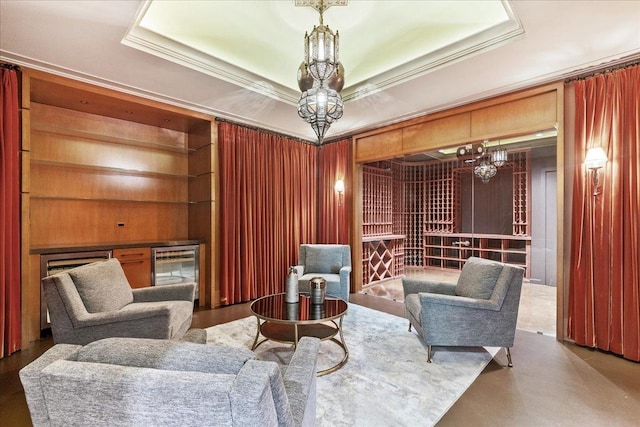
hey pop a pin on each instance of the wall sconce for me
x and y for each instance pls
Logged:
(339, 187)
(595, 160)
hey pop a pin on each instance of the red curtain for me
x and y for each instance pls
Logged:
(9, 214)
(334, 163)
(604, 293)
(268, 207)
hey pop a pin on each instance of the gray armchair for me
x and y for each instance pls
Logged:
(143, 382)
(331, 262)
(95, 301)
(481, 309)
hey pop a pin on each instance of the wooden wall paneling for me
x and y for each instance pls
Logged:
(202, 226)
(201, 160)
(436, 133)
(25, 178)
(535, 112)
(74, 150)
(65, 181)
(25, 129)
(202, 208)
(30, 294)
(356, 222)
(71, 222)
(379, 146)
(71, 94)
(55, 119)
(202, 282)
(200, 189)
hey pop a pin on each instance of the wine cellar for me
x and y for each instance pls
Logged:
(414, 216)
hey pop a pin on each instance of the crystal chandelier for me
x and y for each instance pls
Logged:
(320, 75)
(485, 171)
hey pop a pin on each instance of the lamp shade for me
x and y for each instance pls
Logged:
(596, 158)
(339, 186)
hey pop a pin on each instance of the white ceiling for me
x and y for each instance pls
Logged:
(240, 73)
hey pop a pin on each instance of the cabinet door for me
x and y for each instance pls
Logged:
(136, 263)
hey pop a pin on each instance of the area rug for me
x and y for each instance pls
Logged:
(386, 381)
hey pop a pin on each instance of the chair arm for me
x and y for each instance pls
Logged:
(345, 272)
(300, 380)
(30, 379)
(414, 286)
(454, 300)
(124, 315)
(180, 292)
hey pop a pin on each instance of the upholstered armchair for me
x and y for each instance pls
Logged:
(144, 382)
(95, 301)
(331, 262)
(481, 309)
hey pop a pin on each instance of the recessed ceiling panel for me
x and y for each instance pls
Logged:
(259, 44)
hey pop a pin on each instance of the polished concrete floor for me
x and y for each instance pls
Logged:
(551, 383)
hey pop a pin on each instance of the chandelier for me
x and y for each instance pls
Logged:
(499, 156)
(485, 171)
(489, 161)
(320, 75)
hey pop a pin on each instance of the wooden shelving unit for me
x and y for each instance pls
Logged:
(382, 250)
(452, 250)
(377, 201)
(442, 189)
(521, 191)
(383, 258)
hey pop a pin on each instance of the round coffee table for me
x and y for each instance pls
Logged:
(287, 322)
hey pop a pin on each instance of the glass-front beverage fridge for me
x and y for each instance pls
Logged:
(175, 264)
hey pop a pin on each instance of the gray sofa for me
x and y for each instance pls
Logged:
(331, 262)
(95, 301)
(144, 382)
(481, 309)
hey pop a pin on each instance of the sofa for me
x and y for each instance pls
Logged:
(95, 301)
(147, 382)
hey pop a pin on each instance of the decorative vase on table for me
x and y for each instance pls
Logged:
(291, 288)
(318, 290)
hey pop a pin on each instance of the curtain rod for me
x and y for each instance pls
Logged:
(280, 135)
(604, 70)
(9, 66)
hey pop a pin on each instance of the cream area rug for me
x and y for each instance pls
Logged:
(386, 381)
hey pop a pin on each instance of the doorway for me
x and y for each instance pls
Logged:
(445, 213)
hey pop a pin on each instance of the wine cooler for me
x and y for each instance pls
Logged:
(175, 264)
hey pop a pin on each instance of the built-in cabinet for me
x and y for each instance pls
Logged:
(103, 168)
(136, 264)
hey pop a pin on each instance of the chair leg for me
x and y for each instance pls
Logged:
(409, 326)
(428, 354)
(510, 364)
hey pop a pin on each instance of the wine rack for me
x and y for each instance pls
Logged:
(412, 217)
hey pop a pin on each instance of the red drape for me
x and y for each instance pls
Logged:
(9, 214)
(334, 163)
(268, 207)
(604, 293)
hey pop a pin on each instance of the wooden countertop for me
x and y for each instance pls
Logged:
(107, 246)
